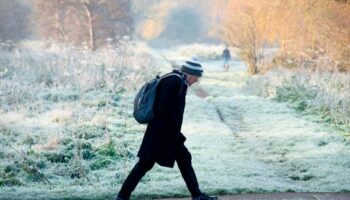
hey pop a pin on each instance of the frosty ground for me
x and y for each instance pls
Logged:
(243, 143)
(240, 143)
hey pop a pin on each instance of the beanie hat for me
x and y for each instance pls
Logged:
(192, 67)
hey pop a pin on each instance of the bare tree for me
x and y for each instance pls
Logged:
(89, 14)
(301, 29)
(245, 27)
(79, 21)
(49, 19)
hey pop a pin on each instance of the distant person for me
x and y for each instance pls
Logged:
(163, 143)
(227, 57)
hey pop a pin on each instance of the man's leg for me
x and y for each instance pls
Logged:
(184, 162)
(134, 178)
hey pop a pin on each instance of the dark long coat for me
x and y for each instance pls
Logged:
(163, 134)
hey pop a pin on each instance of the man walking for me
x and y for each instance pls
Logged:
(163, 142)
(227, 57)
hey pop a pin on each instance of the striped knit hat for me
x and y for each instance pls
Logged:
(192, 67)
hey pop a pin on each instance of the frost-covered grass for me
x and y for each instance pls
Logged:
(246, 144)
(323, 94)
(66, 120)
(82, 138)
(288, 153)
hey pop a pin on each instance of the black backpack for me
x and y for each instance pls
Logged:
(145, 98)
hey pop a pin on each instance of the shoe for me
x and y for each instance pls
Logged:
(204, 197)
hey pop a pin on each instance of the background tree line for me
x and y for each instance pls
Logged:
(68, 21)
(302, 30)
(90, 22)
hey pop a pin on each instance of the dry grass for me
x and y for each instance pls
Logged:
(321, 92)
(59, 106)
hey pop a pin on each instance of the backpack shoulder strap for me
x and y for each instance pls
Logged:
(171, 74)
(174, 74)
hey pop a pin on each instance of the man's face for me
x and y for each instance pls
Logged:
(192, 79)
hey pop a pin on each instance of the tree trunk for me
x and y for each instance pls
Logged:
(252, 69)
(89, 15)
(252, 61)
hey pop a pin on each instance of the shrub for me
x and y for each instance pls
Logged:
(56, 157)
(89, 132)
(108, 149)
(100, 163)
(87, 154)
(86, 150)
(11, 182)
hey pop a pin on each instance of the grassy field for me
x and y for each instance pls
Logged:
(67, 131)
(321, 95)
(66, 118)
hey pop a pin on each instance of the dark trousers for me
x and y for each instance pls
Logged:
(184, 162)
